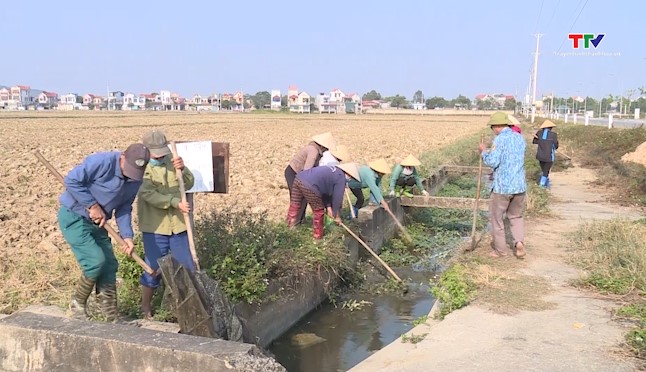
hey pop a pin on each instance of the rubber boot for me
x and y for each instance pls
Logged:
(293, 214)
(407, 193)
(107, 299)
(317, 223)
(147, 294)
(547, 182)
(543, 181)
(78, 305)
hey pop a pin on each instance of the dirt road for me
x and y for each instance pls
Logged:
(575, 333)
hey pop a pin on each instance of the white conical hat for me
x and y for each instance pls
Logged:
(351, 169)
(410, 161)
(547, 124)
(379, 165)
(326, 140)
(341, 153)
(513, 119)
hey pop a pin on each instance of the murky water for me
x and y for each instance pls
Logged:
(337, 339)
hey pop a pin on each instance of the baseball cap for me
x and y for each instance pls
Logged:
(156, 143)
(136, 158)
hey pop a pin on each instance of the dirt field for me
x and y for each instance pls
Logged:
(261, 146)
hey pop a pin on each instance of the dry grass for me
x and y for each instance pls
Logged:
(261, 146)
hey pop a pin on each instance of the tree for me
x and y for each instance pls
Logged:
(283, 101)
(397, 101)
(487, 104)
(261, 99)
(371, 96)
(436, 101)
(226, 104)
(418, 97)
(510, 104)
(462, 101)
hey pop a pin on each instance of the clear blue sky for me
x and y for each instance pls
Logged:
(200, 46)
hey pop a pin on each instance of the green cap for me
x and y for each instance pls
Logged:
(499, 118)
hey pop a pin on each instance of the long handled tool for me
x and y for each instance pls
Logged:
(106, 226)
(405, 233)
(475, 207)
(347, 195)
(371, 252)
(187, 217)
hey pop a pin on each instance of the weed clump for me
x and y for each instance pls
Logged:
(454, 290)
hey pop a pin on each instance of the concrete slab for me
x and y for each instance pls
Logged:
(40, 342)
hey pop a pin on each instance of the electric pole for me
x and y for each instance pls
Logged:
(538, 39)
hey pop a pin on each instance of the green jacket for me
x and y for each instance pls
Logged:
(397, 171)
(159, 197)
(369, 179)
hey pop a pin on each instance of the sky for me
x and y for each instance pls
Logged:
(202, 47)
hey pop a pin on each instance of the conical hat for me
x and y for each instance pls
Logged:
(513, 119)
(498, 118)
(341, 153)
(326, 140)
(379, 166)
(410, 161)
(351, 169)
(547, 124)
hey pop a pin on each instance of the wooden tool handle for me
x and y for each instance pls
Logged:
(106, 226)
(477, 201)
(371, 252)
(187, 216)
(347, 195)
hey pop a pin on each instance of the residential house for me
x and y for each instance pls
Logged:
(418, 106)
(324, 104)
(47, 100)
(370, 104)
(276, 100)
(99, 103)
(133, 102)
(238, 97)
(353, 104)
(67, 102)
(299, 103)
(20, 97)
(5, 96)
(199, 103)
(115, 100)
(214, 101)
(88, 100)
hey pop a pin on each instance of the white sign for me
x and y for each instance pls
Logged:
(198, 157)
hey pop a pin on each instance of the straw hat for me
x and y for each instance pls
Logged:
(410, 161)
(351, 169)
(326, 140)
(513, 119)
(547, 124)
(341, 153)
(379, 166)
(498, 118)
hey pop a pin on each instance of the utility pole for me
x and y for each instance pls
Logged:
(552, 103)
(538, 39)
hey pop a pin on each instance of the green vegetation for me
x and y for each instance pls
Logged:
(613, 253)
(454, 290)
(413, 338)
(421, 320)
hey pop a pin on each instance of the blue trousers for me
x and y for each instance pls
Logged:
(157, 246)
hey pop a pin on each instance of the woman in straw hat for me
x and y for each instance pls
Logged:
(335, 156)
(307, 158)
(370, 177)
(405, 175)
(548, 142)
(322, 187)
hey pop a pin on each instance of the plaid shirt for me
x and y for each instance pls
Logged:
(507, 158)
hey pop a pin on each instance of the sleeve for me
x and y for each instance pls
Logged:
(78, 179)
(123, 215)
(337, 196)
(556, 141)
(152, 196)
(492, 157)
(312, 157)
(397, 170)
(535, 139)
(189, 178)
(375, 189)
(418, 179)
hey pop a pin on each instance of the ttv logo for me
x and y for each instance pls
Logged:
(587, 40)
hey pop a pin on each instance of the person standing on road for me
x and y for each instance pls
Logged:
(404, 175)
(322, 187)
(160, 209)
(548, 142)
(307, 158)
(507, 159)
(370, 178)
(106, 183)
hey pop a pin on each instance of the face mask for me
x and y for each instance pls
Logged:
(157, 162)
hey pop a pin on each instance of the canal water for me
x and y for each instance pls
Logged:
(336, 339)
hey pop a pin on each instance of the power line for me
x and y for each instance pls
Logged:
(553, 13)
(573, 23)
(539, 16)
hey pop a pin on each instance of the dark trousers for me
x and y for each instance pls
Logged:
(545, 167)
(402, 181)
(358, 193)
(290, 176)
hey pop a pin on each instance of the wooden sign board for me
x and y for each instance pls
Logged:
(209, 162)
